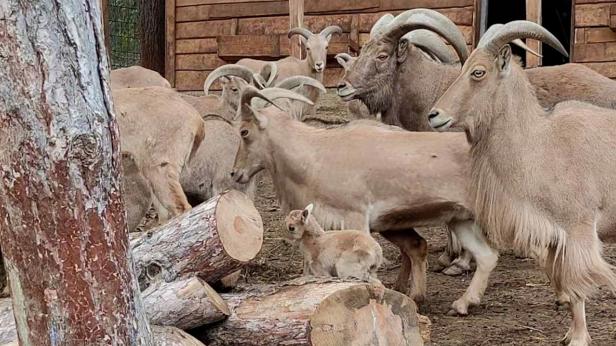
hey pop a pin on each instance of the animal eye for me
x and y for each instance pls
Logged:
(382, 57)
(244, 133)
(478, 74)
(307, 48)
(234, 89)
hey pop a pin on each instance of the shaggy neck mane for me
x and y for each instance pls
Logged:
(504, 131)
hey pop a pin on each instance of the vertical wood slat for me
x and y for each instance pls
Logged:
(296, 19)
(106, 28)
(533, 14)
(170, 41)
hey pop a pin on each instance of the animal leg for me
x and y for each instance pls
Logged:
(416, 249)
(165, 182)
(459, 265)
(404, 274)
(578, 333)
(448, 255)
(474, 242)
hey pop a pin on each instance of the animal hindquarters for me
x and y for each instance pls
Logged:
(165, 182)
(360, 264)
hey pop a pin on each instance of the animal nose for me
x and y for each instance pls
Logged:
(433, 114)
(319, 65)
(232, 173)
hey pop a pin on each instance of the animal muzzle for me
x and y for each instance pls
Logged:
(319, 66)
(439, 120)
(346, 91)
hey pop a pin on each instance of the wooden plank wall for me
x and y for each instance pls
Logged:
(595, 35)
(205, 34)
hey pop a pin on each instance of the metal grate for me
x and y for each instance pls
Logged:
(124, 27)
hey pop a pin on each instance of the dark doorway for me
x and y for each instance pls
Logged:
(556, 17)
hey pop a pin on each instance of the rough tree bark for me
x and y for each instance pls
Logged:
(63, 231)
(8, 332)
(185, 304)
(310, 311)
(210, 241)
(152, 34)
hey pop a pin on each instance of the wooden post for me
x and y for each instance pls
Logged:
(106, 26)
(296, 19)
(533, 14)
(170, 41)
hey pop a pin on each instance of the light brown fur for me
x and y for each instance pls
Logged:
(344, 254)
(543, 182)
(136, 77)
(162, 131)
(136, 191)
(364, 189)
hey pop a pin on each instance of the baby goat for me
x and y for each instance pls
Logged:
(344, 254)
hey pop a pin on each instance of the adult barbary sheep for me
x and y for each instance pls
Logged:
(542, 181)
(136, 77)
(403, 84)
(343, 254)
(163, 132)
(364, 189)
(136, 191)
(312, 66)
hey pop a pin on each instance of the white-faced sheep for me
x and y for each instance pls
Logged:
(542, 181)
(343, 254)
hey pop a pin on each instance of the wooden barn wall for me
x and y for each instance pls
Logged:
(595, 35)
(205, 34)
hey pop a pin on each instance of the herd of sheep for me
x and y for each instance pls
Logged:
(526, 160)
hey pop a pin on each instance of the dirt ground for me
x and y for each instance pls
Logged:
(518, 308)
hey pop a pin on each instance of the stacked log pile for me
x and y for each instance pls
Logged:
(176, 261)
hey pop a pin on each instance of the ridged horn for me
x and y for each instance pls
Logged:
(381, 24)
(298, 81)
(432, 44)
(248, 94)
(271, 71)
(520, 29)
(227, 70)
(330, 30)
(494, 28)
(422, 18)
(300, 31)
(271, 94)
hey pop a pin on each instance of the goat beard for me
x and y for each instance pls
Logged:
(378, 99)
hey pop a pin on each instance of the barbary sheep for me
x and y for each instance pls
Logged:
(542, 180)
(163, 132)
(136, 191)
(136, 77)
(364, 189)
(343, 254)
(399, 81)
(312, 66)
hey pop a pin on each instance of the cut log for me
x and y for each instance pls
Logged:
(171, 336)
(8, 331)
(317, 312)
(184, 304)
(210, 241)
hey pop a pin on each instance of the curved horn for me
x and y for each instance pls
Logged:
(273, 72)
(248, 94)
(344, 59)
(330, 30)
(380, 24)
(520, 29)
(422, 18)
(300, 31)
(432, 44)
(227, 70)
(258, 81)
(494, 28)
(299, 81)
(271, 94)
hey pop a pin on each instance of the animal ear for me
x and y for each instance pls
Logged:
(342, 62)
(504, 59)
(224, 80)
(402, 50)
(260, 119)
(306, 212)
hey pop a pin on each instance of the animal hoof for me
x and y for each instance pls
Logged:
(437, 268)
(561, 306)
(454, 270)
(453, 312)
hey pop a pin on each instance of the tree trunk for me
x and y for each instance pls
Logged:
(8, 332)
(171, 336)
(317, 312)
(152, 20)
(63, 232)
(210, 241)
(185, 304)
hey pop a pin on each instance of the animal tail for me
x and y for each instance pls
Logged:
(199, 136)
